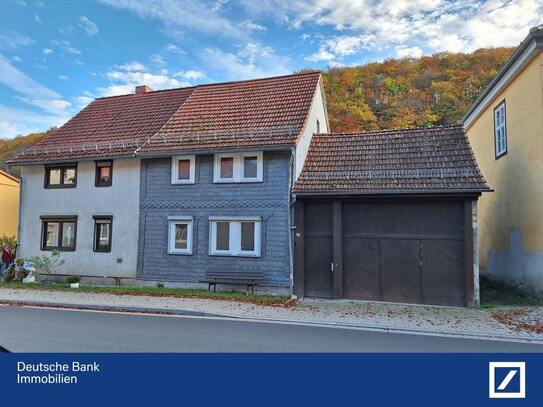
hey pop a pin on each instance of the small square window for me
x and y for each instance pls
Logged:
(183, 169)
(61, 176)
(59, 233)
(104, 174)
(180, 235)
(227, 167)
(102, 233)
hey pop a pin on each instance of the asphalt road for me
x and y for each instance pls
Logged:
(25, 329)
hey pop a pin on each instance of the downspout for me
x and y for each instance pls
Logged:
(289, 215)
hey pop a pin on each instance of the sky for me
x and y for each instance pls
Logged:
(56, 56)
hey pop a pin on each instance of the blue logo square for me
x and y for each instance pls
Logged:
(506, 381)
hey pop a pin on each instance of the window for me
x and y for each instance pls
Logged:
(102, 233)
(104, 174)
(61, 176)
(500, 130)
(235, 236)
(59, 233)
(318, 126)
(180, 235)
(183, 169)
(239, 167)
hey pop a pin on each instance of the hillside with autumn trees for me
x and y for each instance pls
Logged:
(408, 92)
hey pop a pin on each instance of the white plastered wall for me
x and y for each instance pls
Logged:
(121, 201)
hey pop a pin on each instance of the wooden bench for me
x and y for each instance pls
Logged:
(248, 278)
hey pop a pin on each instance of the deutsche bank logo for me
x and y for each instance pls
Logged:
(507, 380)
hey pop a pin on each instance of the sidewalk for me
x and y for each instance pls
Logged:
(507, 323)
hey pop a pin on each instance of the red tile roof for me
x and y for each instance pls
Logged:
(108, 127)
(252, 113)
(421, 160)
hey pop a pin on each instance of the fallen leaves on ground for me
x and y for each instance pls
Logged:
(519, 320)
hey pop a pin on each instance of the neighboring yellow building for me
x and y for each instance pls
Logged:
(505, 129)
(9, 204)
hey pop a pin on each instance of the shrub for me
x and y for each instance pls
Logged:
(73, 279)
(46, 264)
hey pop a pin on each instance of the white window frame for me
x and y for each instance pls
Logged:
(239, 159)
(180, 220)
(175, 169)
(500, 144)
(235, 236)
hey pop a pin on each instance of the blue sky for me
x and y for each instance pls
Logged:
(56, 56)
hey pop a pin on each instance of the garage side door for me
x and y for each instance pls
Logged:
(318, 250)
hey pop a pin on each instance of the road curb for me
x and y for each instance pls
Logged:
(203, 314)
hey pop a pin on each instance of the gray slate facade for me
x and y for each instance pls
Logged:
(159, 199)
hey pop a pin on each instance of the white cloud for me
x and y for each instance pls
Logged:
(63, 77)
(179, 17)
(158, 60)
(20, 3)
(66, 46)
(20, 83)
(13, 40)
(321, 55)
(174, 49)
(433, 25)
(47, 51)
(21, 121)
(54, 106)
(88, 26)
(413, 52)
(16, 59)
(37, 19)
(131, 66)
(190, 75)
(251, 25)
(124, 78)
(252, 61)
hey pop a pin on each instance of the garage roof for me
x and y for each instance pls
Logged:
(419, 160)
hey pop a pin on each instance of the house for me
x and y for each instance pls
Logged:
(389, 216)
(164, 186)
(9, 204)
(505, 128)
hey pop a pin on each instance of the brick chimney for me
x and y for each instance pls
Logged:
(143, 89)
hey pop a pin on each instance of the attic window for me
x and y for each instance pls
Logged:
(61, 176)
(318, 126)
(104, 174)
(238, 167)
(183, 169)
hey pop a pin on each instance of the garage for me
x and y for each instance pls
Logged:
(375, 224)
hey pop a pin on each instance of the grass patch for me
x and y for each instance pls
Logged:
(495, 292)
(271, 300)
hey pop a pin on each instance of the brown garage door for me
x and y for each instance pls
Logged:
(391, 251)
